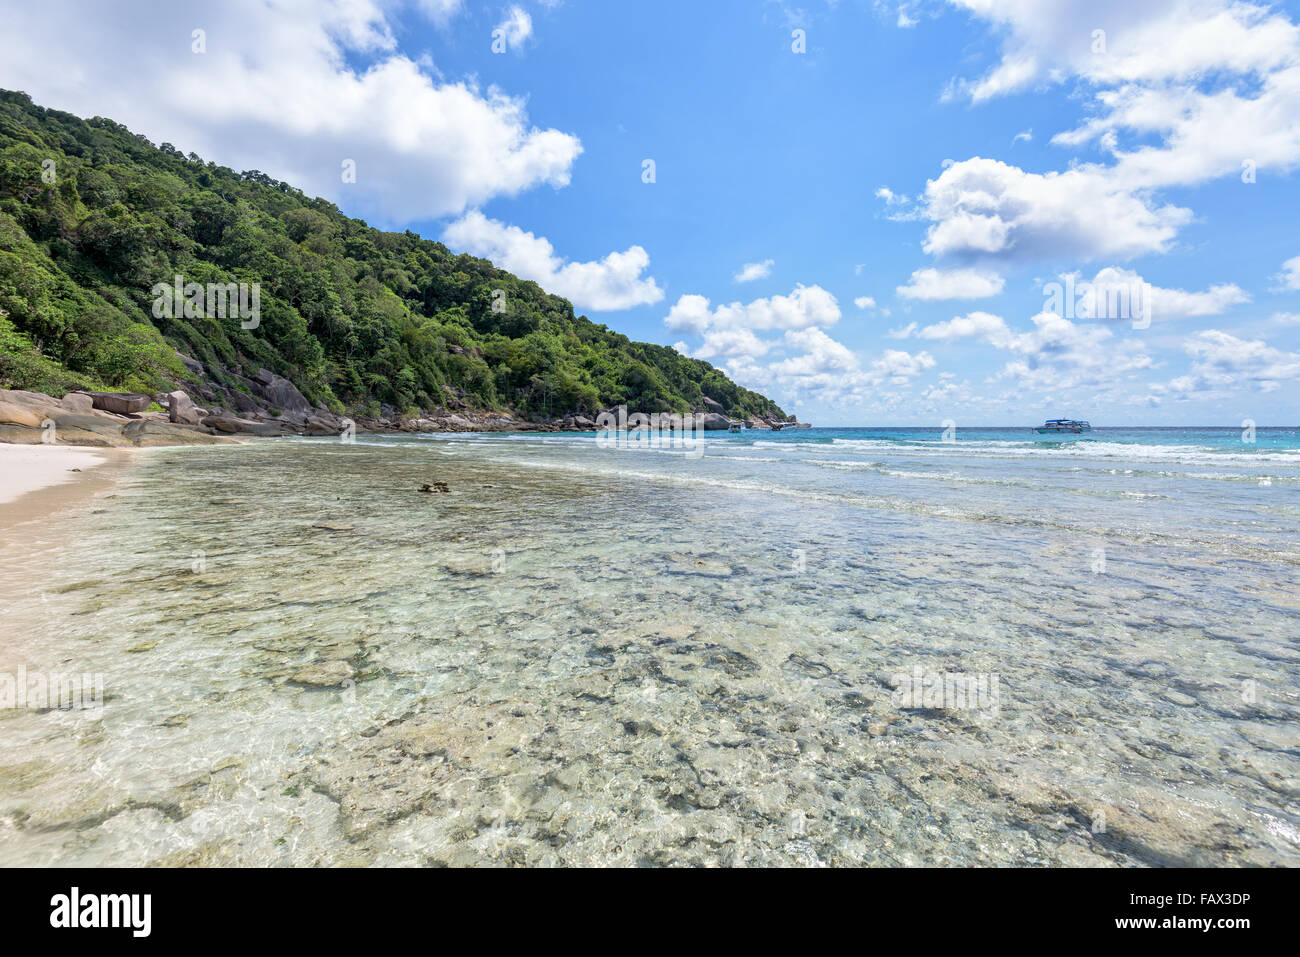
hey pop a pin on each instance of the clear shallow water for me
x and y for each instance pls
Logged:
(596, 656)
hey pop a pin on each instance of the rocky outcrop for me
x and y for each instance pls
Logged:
(146, 433)
(714, 422)
(712, 405)
(77, 402)
(230, 425)
(245, 404)
(31, 418)
(181, 409)
(193, 365)
(120, 403)
(22, 414)
(284, 395)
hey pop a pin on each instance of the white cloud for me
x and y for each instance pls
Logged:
(1198, 86)
(993, 329)
(1291, 273)
(990, 209)
(821, 368)
(1056, 353)
(732, 343)
(809, 363)
(441, 12)
(1099, 303)
(277, 91)
(751, 271)
(805, 307)
(865, 302)
(615, 282)
(1223, 362)
(934, 284)
(516, 28)
(1150, 42)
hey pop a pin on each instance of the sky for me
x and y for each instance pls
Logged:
(875, 212)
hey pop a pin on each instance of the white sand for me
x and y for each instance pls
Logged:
(26, 468)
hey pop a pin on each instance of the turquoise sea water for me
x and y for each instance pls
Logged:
(592, 655)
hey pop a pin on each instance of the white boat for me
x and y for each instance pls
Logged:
(1063, 428)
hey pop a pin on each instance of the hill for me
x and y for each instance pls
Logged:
(96, 221)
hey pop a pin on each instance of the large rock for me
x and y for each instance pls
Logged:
(74, 422)
(122, 403)
(282, 394)
(181, 408)
(77, 402)
(245, 403)
(713, 405)
(149, 432)
(12, 413)
(233, 426)
(320, 425)
(19, 434)
(713, 422)
(194, 365)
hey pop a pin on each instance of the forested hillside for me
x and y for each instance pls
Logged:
(92, 217)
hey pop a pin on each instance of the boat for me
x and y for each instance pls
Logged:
(1063, 427)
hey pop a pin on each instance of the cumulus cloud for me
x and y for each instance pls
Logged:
(751, 271)
(985, 208)
(865, 302)
(1055, 352)
(293, 88)
(934, 284)
(1291, 273)
(1222, 362)
(441, 12)
(515, 28)
(984, 325)
(615, 282)
(805, 307)
(1197, 88)
(806, 361)
(1103, 297)
(1155, 41)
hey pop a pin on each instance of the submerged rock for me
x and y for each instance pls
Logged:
(324, 674)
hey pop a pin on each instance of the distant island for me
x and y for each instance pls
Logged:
(132, 268)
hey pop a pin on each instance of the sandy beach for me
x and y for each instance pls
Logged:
(39, 480)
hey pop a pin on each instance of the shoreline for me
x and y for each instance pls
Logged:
(40, 481)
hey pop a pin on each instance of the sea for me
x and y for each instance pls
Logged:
(815, 647)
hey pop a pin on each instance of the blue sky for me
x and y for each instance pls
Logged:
(904, 191)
